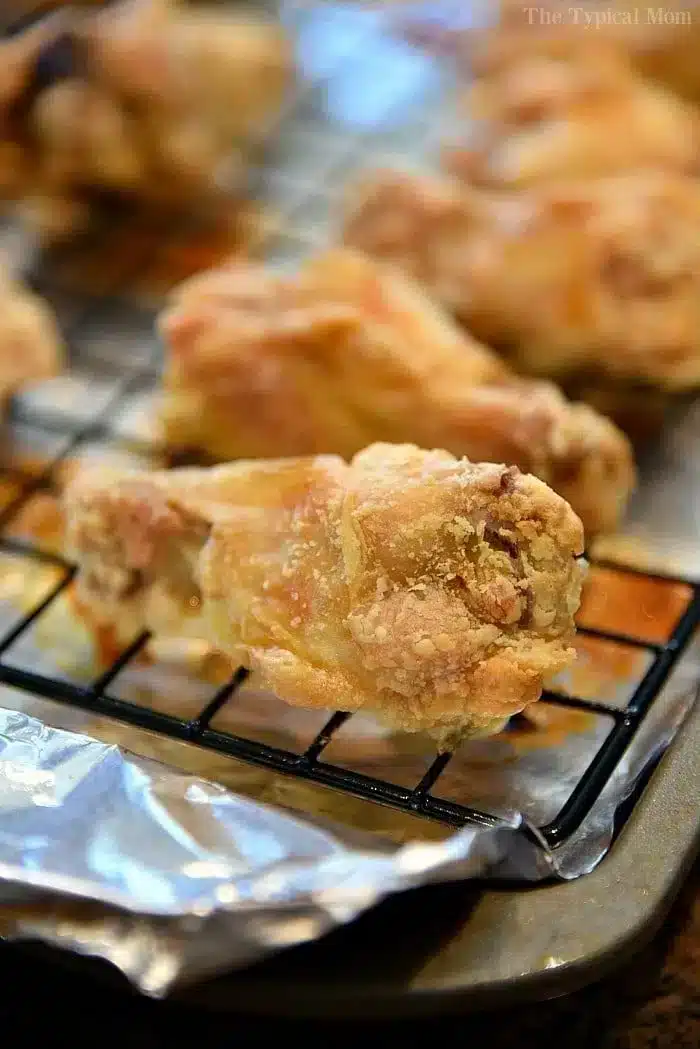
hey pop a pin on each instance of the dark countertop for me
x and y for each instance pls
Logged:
(650, 1003)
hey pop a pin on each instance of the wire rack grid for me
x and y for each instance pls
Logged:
(366, 98)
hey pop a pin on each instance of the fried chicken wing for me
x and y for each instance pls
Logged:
(662, 42)
(572, 108)
(348, 351)
(597, 276)
(31, 347)
(148, 102)
(435, 592)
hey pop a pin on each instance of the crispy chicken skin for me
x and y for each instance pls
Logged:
(597, 276)
(435, 592)
(148, 102)
(661, 43)
(31, 346)
(571, 108)
(349, 351)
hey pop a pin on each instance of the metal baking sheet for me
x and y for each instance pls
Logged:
(472, 948)
(369, 98)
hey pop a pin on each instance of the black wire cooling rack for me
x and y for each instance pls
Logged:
(333, 131)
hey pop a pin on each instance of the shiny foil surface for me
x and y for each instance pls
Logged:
(172, 877)
(169, 876)
(175, 863)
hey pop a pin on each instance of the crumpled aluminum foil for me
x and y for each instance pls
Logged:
(192, 877)
(134, 858)
(173, 878)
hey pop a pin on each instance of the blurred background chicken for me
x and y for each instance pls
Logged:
(661, 42)
(145, 103)
(563, 107)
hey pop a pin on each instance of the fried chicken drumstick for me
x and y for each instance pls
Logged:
(558, 107)
(435, 592)
(147, 103)
(596, 276)
(348, 351)
(661, 43)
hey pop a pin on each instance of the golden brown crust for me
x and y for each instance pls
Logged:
(433, 591)
(571, 111)
(149, 102)
(325, 360)
(347, 352)
(661, 42)
(599, 275)
(31, 346)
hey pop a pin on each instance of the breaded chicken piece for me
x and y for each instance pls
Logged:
(18, 61)
(572, 110)
(661, 42)
(31, 346)
(147, 102)
(221, 74)
(348, 351)
(598, 276)
(432, 591)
